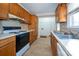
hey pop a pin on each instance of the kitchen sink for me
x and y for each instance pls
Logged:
(64, 36)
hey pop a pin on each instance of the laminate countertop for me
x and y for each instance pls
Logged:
(69, 45)
(5, 35)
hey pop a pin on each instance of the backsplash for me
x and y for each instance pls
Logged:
(24, 27)
(63, 27)
(1, 29)
(11, 23)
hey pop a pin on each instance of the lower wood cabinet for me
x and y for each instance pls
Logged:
(33, 26)
(53, 45)
(57, 48)
(32, 37)
(8, 47)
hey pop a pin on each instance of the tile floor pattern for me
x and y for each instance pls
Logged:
(41, 47)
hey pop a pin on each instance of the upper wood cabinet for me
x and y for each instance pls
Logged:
(57, 13)
(14, 9)
(21, 12)
(17, 10)
(4, 9)
(61, 12)
(27, 16)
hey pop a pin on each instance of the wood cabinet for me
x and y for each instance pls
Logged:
(27, 16)
(32, 39)
(61, 12)
(4, 9)
(53, 45)
(33, 26)
(8, 47)
(17, 10)
(21, 12)
(57, 13)
(57, 46)
(14, 9)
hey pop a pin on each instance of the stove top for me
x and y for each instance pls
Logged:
(15, 32)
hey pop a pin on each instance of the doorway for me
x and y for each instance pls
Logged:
(45, 26)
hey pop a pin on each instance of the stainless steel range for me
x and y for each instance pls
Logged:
(22, 41)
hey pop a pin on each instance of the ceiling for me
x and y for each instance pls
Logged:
(40, 9)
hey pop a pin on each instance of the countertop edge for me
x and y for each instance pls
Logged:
(7, 36)
(62, 45)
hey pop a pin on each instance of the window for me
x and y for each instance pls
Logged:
(76, 19)
(73, 20)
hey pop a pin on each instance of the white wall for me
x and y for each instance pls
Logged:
(53, 24)
(48, 23)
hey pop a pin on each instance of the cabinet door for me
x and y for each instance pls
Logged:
(4, 9)
(17, 10)
(63, 13)
(14, 9)
(31, 37)
(34, 27)
(58, 13)
(54, 45)
(8, 49)
(21, 11)
(27, 16)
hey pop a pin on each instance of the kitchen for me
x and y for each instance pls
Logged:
(28, 29)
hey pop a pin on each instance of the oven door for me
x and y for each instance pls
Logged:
(21, 41)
